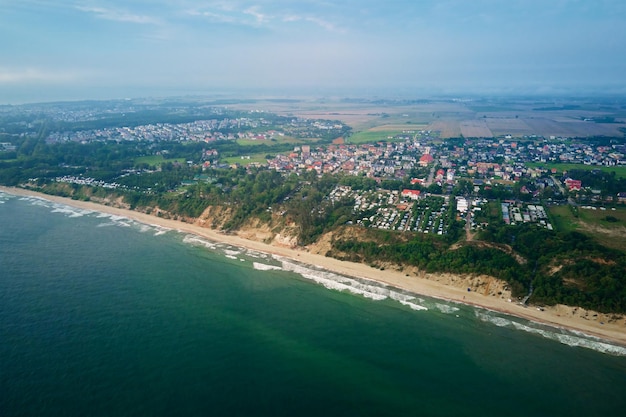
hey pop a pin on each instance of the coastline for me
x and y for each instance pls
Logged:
(571, 318)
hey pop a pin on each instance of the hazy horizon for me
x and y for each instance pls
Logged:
(79, 50)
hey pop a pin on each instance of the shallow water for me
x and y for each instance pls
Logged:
(101, 315)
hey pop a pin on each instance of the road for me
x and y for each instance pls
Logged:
(469, 236)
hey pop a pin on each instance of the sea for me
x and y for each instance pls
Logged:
(104, 316)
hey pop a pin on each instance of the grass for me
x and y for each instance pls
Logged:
(270, 142)
(593, 223)
(373, 136)
(598, 217)
(563, 218)
(620, 171)
(156, 160)
(254, 158)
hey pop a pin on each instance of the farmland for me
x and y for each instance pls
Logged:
(468, 117)
(475, 129)
(280, 139)
(385, 133)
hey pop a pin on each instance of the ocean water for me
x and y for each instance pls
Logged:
(103, 316)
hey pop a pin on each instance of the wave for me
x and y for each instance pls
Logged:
(446, 308)
(367, 289)
(69, 211)
(198, 241)
(566, 337)
(159, 230)
(265, 267)
(255, 254)
(230, 252)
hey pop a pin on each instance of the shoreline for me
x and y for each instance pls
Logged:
(560, 316)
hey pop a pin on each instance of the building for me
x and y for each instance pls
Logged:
(412, 194)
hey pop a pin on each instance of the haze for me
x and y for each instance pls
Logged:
(60, 50)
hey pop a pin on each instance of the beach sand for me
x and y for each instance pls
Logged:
(443, 286)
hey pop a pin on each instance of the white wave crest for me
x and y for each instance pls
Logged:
(254, 254)
(413, 306)
(265, 267)
(341, 283)
(107, 224)
(196, 241)
(566, 337)
(445, 308)
(231, 257)
(70, 211)
(407, 300)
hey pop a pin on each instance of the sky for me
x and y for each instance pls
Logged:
(100, 49)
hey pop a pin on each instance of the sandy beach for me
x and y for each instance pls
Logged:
(443, 286)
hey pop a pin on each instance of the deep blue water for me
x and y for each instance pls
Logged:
(104, 316)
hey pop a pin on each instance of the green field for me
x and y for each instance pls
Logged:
(373, 136)
(157, 160)
(620, 171)
(254, 158)
(271, 142)
(608, 226)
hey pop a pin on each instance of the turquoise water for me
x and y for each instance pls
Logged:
(100, 315)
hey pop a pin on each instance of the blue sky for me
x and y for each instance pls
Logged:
(63, 49)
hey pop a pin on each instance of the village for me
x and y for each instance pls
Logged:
(444, 180)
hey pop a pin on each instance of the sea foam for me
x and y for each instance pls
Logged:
(330, 280)
(566, 337)
(197, 241)
(265, 267)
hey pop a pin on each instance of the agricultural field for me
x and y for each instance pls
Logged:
(447, 129)
(606, 225)
(273, 141)
(620, 171)
(384, 133)
(451, 117)
(507, 126)
(475, 129)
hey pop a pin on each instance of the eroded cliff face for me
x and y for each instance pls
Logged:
(479, 283)
(277, 231)
(214, 217)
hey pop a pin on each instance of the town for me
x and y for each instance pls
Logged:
(445, 180)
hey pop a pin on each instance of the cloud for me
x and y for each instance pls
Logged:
(254, 12)
(31, 75)
(256, 16)
(118, 15)
(312, 19)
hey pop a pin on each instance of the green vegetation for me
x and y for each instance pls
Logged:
(432, 254)
(157, 160)
(570, 268)
(620, 171)
(598, 224)
(564, 218)
(373, 136)
(274, 141)
(246, 160)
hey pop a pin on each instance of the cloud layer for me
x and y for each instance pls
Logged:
(429, 46)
